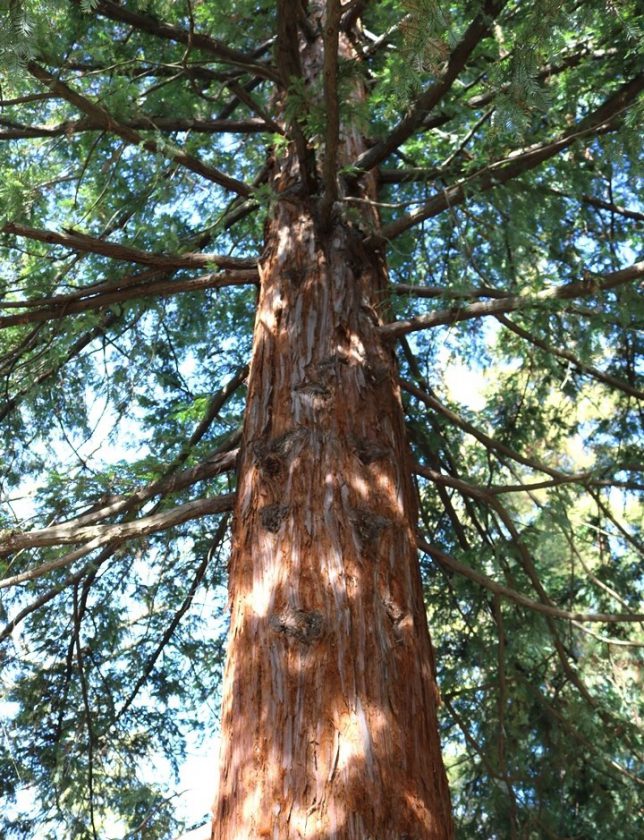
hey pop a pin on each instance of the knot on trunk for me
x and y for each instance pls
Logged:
(393, 610)
(305, 627)
(402, 621)
(272, 516)
(376, 373)
(271, 455)
(368, 525)
(368, 451)
(314, 389)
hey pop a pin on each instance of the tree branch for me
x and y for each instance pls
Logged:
(152, 26)
(75, 240)
(583, 288)
(17, 131)
(108, 319)
(597, 374)
(161, 288)
(103, 119)
(488, 442)
(169, 632)
(428, 100)
(518, 162)
(50, 594)
(96, 535)
(454, 565)
(442, 291)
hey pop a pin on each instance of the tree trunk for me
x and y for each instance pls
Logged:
(329, 715)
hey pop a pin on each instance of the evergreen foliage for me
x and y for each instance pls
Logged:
(133, 141)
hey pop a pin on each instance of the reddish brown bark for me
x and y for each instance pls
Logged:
(329, 717)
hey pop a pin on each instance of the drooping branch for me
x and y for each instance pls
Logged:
(519, 161)
(183, 609)
(103, 119)
(9, 405)
(583, 288)
(487, 441)
(597, 203)
(584, 367)
(217, 464)
(89, 568)
(499, 589)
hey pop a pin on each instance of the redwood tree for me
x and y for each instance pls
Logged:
(247, 252)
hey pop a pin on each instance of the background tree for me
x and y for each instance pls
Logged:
(140, 143)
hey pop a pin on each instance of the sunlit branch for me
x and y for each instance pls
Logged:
(431, 97)
(599, 375)
(17, 131)
(97, 535)
(76, 240)
(505, 592)
(154, 288)
(103, 119)
(583, 288)
(518, 162)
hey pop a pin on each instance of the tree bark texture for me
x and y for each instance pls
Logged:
(329, 727)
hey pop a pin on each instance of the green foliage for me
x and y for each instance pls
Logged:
(539, 720)
(15, 33)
